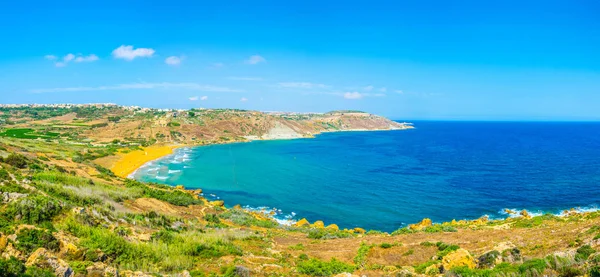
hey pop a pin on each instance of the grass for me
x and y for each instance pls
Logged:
(314, 267)
(26, 133)
(361, 256)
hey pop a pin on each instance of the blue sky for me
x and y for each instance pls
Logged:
(467, 60)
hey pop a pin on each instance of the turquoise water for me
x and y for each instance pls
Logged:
(387, 179)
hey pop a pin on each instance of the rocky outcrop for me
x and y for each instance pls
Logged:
(43, 258)
(6, 197)
(457, 258)
(302, 223)
(318, 224)
(426, 222)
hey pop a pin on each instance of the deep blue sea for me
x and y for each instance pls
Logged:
(386, 179)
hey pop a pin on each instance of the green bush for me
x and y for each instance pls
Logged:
(385, 245)
(361, 257)
(16, 160)
(4, 174)
(175, 197)
(584, 252)
(445, 249)
(488, 259)
(34, 209)
(215, 250)
(327, 234)
(594, 271)
(314, 267)
(11, 267)
(32, 239)
(402, 231)
(243, 218)
(537, 265)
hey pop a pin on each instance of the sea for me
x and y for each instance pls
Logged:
(384, 180)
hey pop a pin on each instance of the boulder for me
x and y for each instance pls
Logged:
(241, 271)
(525, 214)
(237, 207)
(457, 258)
(101, 270)
(10, 251)
(332, 227)
(302, 223)
(359, 230)
(44, 259)
(426, 222)
(318, 224)
(218, 203)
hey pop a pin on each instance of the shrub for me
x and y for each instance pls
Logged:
(34, 209)
(215, 250)
(594, 271)
(38, 272)
(4, 174)
(385, 245)
(402, 231)
(488, 259)
(537, 265)
(243, 218)
(584, 252)
(327, 234)
(438, 228)
(11, 267)
(16, 160)
(361, 257)
(445, 249)
(31, 239)
(316, 267)
(212, 218)
(163, 236)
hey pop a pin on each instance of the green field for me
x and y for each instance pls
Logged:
(28, 134)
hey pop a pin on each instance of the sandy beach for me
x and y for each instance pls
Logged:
(130, 162)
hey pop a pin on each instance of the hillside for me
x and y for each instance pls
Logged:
(64, 213)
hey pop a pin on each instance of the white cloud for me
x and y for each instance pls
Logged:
(69, 57)
(244, 99)
(89, 58)
(353, 95)
(127, 52)
(399, 91)
(368, 88)
(134, 86)
(193, 98)
(357, 95)
(245, 78)
(173, 60)
(303, 85)
(204, 98)
(255, 59)
(383, 89)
